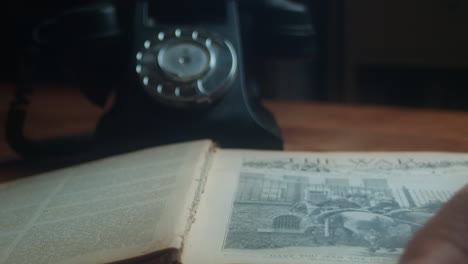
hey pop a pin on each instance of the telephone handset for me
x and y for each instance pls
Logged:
(176, 69)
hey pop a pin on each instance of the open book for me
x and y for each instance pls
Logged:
(197, 204)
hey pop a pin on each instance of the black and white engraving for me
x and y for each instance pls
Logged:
(351, 207)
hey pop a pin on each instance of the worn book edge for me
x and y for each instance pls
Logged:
(209, 157)
(172, 255)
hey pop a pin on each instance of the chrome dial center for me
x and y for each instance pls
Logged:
(184, 61)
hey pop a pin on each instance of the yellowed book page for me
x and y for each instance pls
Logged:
(111, 209)
(283, 207)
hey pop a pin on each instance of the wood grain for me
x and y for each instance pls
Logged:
(328, 127)
(305, 126)
(53, 111)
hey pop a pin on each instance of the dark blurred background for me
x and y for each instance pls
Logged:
(402, 53)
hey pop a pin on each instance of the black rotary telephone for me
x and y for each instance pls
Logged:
(179, 70)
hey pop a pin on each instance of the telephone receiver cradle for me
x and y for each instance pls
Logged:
(171, 82)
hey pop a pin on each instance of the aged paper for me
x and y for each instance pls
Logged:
(277, 207)
(102, 211)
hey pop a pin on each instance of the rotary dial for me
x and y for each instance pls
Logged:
(186, 67)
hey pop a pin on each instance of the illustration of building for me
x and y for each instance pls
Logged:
(273, 211)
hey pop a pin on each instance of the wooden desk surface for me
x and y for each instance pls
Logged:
(305, 126)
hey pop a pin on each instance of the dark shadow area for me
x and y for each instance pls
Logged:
(414, 87)
(399, 53)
